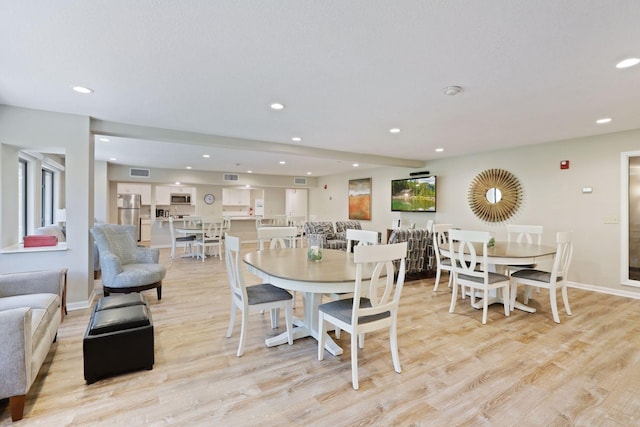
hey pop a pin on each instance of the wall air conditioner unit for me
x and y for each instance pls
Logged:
(233, 177)
(300, 181)
(139, 173)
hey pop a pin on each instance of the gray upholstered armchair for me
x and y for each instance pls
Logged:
(126, 267)
(329, 237)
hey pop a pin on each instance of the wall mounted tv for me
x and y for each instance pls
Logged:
(414, 194)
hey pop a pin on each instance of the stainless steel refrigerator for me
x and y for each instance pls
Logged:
(129, 210)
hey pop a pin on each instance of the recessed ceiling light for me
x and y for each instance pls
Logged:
(629, 62)
(282, 162)
(394, 130)
(206, 156)
(277, 106)
(439, 150)
(104, 139)
(355, 165)
(82, 89)
(188, 167)
(113, 159)
(247, 185)
(177, 183)
(604, 120)
(296, 139)
(452, 90)
(308, 173)
(249, 171)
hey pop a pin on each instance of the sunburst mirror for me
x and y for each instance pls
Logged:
(495, 195)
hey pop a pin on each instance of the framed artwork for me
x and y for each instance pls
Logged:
(360, 199)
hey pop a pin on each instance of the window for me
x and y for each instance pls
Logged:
(22, 198)
(46, 216)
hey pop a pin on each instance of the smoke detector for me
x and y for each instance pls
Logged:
(452, 90)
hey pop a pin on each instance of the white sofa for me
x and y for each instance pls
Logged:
(31, 310)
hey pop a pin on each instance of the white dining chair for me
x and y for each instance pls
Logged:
(531, 234)
(360, 238)
(186, 240)
(464, 260)
(377, 310)
(277, 237)
(254, 298)
(211, 238)
(552, 280)
(443, 263)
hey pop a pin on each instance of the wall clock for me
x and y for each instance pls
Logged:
(209, 199)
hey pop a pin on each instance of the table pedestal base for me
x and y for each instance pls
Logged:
(307, 327)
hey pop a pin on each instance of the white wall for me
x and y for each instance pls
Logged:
(552, 197)
(41, 130)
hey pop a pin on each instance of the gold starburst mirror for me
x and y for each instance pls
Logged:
(495, 195)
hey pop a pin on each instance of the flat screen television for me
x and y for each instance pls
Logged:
(414, 194)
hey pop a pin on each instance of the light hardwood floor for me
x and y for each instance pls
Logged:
(521, 370)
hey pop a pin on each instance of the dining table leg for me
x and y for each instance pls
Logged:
(307, 327)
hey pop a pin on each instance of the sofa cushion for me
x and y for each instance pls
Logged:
(44, 307)
(51, 230)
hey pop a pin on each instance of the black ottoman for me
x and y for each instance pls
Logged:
(119, 338)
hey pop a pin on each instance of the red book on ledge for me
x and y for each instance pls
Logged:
(40, 240)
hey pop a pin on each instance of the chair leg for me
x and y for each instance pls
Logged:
(232, 319)
(454, 296)
(514, 291)
(485, 305)
(565, 299)
(243, 329)
(354, 360)
(275, 317)
(554, 304)
(394, 347)
(506, 300)
(435, 287)
(159, 292)
(16, 403)
(337, 332)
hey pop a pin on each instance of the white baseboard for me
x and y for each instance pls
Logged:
(609, 291)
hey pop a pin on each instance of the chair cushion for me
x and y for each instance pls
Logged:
(493, 278)
(263, 293)
(138, 275)
(342, 310)
(537, 275)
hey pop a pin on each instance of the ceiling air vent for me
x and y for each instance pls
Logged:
(140, 173)
(300, 181)
(231, 177)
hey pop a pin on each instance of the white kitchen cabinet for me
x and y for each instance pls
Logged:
(163, 195)
(133, 188)
(145, 230)
(236, 197)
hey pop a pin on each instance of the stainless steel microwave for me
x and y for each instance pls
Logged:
(180, 199)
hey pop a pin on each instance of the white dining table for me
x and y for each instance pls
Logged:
(510, 253)
(198, 231)
(289, 269)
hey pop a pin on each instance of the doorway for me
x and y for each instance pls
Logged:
(630, 223)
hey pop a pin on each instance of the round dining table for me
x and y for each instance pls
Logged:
(290, 269)
(503, 253)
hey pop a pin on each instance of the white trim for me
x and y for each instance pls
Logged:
(608, 291)
(624, 218)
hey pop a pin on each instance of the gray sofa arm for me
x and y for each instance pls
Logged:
(33, 282)
(15, 363)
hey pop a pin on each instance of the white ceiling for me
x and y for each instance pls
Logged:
(531, 72)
